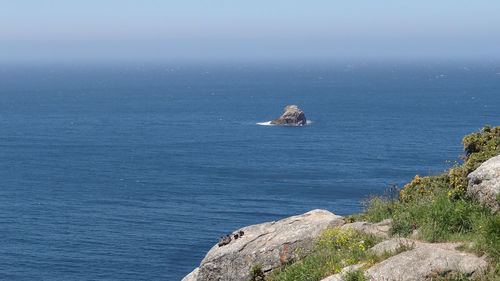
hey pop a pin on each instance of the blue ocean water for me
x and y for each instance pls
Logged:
(133, 171)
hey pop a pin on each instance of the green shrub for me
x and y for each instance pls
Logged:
(336, 248)
(481, 146)
(436, 206)
(438, 217)
(402, 225)
(379, 208)
(256, 273)
(355, 275)
(376, 209)
(424, 186)
(446, 217)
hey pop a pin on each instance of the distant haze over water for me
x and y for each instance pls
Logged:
(133, 171)
(131, 30)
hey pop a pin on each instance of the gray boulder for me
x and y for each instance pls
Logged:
(418, 261)
(393, 245)
(484, 183)
(269, 244)
(292, 116)
(427, 261)
(380, 229)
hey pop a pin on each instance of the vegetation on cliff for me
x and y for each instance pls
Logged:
(437, 208)
(432, 208)
(335, 249)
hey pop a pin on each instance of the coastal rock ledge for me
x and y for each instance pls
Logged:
(269, 244)
(272, 244)
(292, 116)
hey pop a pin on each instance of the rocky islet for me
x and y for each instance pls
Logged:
(292, 116)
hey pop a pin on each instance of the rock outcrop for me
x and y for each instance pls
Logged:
(427, 261)
(484, 183)
(268, 244)
(271, 244)
(418, 261)
(393, 245)
(292, 116)
(380, 229)
(193, 276)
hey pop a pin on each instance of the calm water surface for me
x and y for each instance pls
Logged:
(132, 172)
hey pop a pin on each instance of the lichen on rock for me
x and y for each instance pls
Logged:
(269, 244)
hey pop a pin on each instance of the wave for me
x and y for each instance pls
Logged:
(268, 123)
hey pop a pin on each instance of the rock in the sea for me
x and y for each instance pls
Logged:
(292, 116)
(484, 183)
(427, 261)
(269, 244)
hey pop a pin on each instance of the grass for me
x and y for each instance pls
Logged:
(433, 208)
(335, 249)
(256, 273)
(451, 277)
(355, 275)
(439, 217)
(387, 254)
(439, 208)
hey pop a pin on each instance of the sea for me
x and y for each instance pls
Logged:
(132, 171)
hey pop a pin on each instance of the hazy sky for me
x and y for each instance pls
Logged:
(256, 29)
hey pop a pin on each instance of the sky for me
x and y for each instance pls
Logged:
(135, 30)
